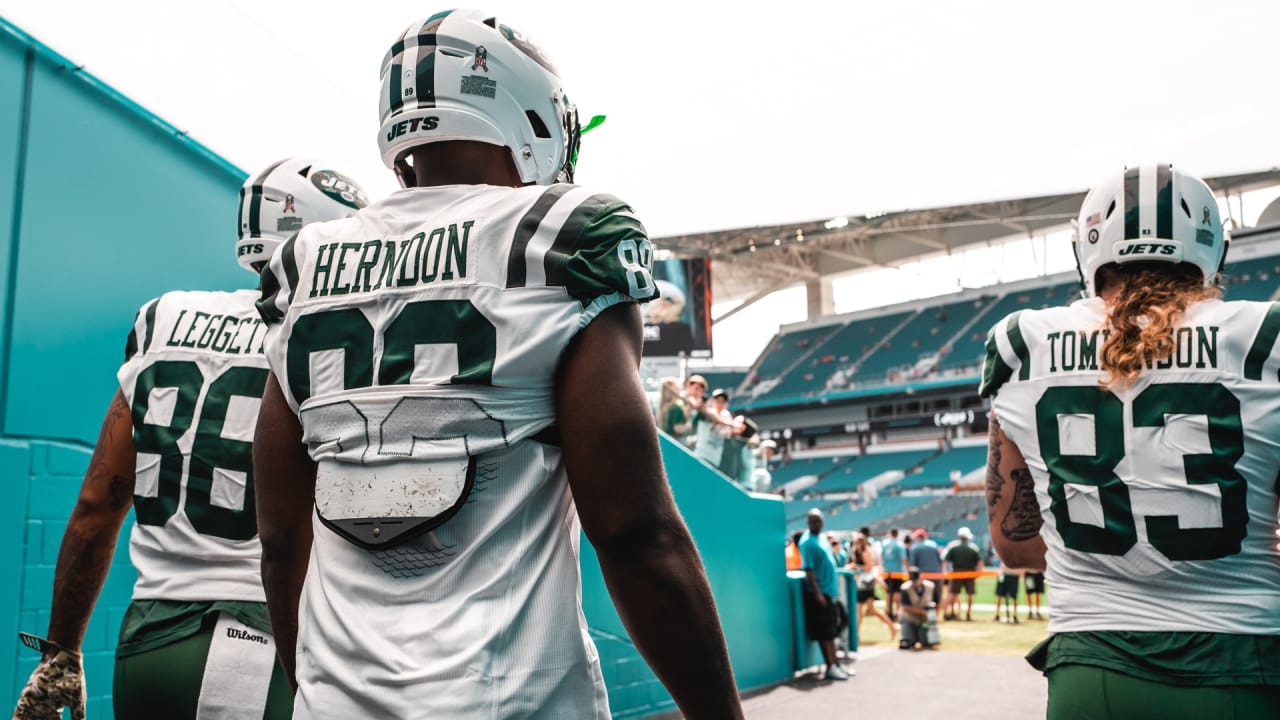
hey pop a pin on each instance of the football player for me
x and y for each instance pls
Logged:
(1133, 455)
(175, 446)
(437, 366)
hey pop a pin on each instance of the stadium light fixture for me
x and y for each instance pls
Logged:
(834, 223)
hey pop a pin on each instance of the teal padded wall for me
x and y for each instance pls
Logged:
(739, 537)
(115, 209)
(42, 480)
(103, 206)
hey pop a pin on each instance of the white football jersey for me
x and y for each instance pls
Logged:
(193, 376)
(1159, 499)
(418, 341)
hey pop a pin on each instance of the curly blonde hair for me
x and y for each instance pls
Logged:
(1146, 302)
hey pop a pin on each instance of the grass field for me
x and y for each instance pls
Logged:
(982, 635)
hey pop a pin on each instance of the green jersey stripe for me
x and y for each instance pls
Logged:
(1019, 347)
(517, 270)
(290, 262)
(1132, 205)
(150, 324)
(131, 345)
(1164, 202)
(1263, 342)
(995, 371)
(269, 287)
(563, 246)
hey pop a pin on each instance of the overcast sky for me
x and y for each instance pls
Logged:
(721, 116)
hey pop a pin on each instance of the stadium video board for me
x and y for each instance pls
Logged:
(679, 322)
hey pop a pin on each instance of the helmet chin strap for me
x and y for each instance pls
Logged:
(404, 171)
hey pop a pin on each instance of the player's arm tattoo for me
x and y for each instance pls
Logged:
(116, 485)
(995, 483)
(1022, 520)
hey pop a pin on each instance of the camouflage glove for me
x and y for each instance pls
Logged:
(57, 682)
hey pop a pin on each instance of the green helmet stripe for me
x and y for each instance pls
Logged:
(396, 94)
(426, 74)
(254, 218)
(1132, 205)
(1164, 202)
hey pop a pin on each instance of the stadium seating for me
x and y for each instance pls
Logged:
(942, 516)
(720, 378)
(797, 510)
(1255, 279)
(867, 467)
(787, 348)
(841, 350)
(785, 472)
(970, 349)
(925, 333)
(936, 473)
(841, 517)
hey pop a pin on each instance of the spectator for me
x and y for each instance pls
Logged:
(916, 598)
(821, 595)
(714, 424)
(793, 553)
(673, 415)
(1007, 593)
(738, 459)
(872, 541)
(1034, 583)
(695, 388)
(838, 554)
(925, 555)
(864, 563)
(962, 557)
(893, 556)
(761, 478)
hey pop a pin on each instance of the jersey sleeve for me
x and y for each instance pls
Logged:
(608, 257)
(136, 346)
(1006, 356)
(144, 325)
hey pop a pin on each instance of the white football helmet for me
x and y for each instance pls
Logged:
(1149, 213)
(461, 75)
(277, 202)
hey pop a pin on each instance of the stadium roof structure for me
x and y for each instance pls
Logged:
(750, 263)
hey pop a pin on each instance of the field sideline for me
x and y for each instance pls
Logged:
(982, 635)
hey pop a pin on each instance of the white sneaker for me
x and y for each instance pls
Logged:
(835, 672)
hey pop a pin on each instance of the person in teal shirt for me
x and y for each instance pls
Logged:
(821, 594)
(893, 558)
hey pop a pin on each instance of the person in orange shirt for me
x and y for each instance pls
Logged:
(793, 553)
